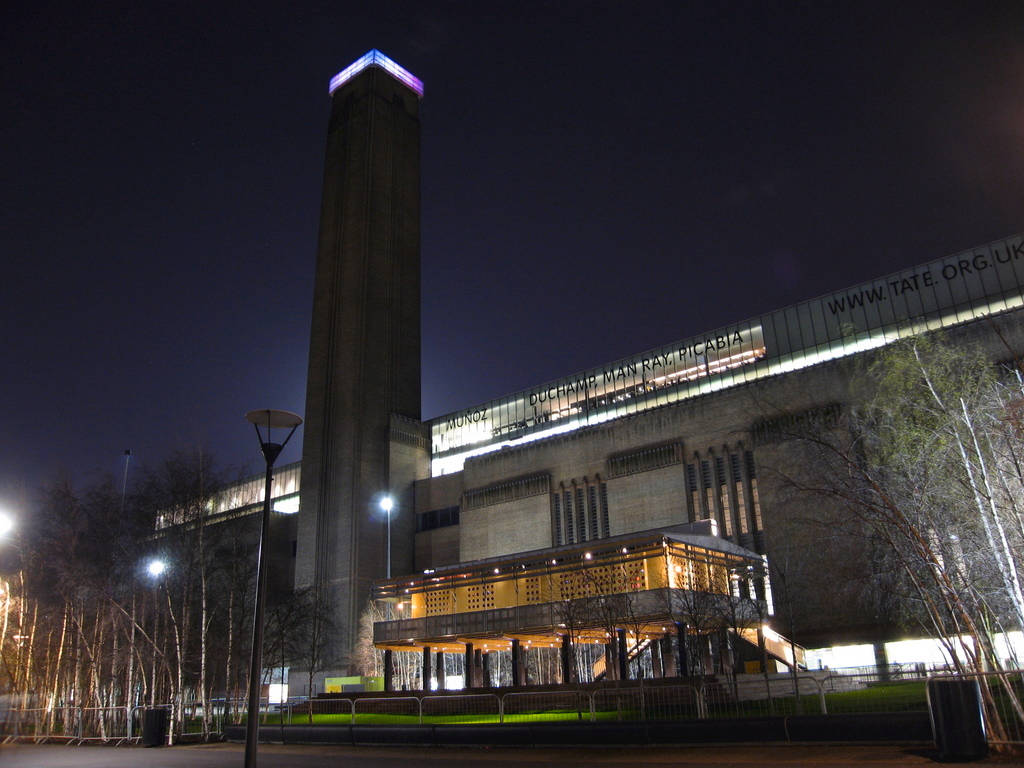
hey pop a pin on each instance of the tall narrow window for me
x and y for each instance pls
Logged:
(709, 501)
(581, 516)
(556, 514)
(752, 474)
(569, 532)
(723, 494)
(741, 500)
(605, 527)
(691, 485)
(592, 511)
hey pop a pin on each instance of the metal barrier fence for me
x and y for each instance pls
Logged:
(472, 708)
(744, 696)
(819, 692)
(78, 725)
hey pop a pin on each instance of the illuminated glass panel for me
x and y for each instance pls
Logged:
(741, 508)
(375, 58)
(939, 294)
(758, 523)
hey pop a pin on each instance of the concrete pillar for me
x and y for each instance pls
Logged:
(478, 677)
(611, 664)
(517, 667)
(439, 670)
(566, 654)
(668, 658)
(469, 666)
(681, 652)
(657, 663)
(486, 666)
(389, 671)
(622, 653)
(426, 668)
(881, 661)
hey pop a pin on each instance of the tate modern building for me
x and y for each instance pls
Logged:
(642, 466)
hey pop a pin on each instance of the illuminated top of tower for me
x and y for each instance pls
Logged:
(375, 58)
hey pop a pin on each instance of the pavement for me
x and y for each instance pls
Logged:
(279, 756)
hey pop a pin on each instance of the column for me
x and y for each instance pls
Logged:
(469, 666)
(517, 667)
(567, 676)
(611, 663)
(426, 668)
(389, 670)
(657, 662)
(439, 670)
(681, 654)
(622, 644)
(668, 659)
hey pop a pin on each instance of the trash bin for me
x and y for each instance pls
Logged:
(958, 725)
(154, 727)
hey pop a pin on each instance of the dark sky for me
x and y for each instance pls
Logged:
(598, 179)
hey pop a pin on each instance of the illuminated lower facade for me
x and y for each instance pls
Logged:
(674, 602)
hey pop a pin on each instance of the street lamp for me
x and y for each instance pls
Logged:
(269, 420)
(156, 567)
(6, 523)
(387, 504)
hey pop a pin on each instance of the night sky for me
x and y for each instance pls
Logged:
(598, 179)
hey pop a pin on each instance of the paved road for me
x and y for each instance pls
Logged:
(276, 756)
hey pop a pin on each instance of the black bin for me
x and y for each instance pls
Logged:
(154, 727)
(957, 721)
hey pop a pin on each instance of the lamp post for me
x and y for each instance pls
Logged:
(387, 504)
(269, 420)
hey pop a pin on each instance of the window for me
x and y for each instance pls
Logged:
(556, 516)
(437, 518)
(605, 527)
(592, 510)
(723, 494)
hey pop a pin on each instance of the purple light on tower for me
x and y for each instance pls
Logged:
(375, 58)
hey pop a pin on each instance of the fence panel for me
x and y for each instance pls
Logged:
(871, 692)
(103, 723)
(325, 711)
(470, 708)
(547, 705)
(674, 702)
(615, 703)
(41, 724)
(397, 709)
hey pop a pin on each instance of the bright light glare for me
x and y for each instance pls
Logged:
(387, 504)
(6, 523)
(156, 567)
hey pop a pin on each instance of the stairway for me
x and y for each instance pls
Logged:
(599, 668)
(777, 646)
